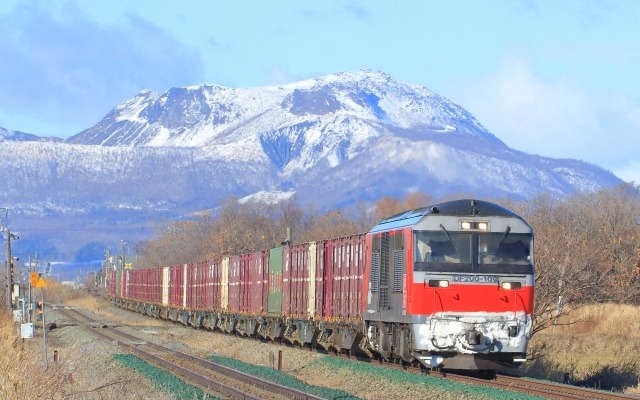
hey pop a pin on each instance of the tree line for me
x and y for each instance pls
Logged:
(587, 246)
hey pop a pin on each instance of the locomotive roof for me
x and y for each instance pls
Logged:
(460, 208)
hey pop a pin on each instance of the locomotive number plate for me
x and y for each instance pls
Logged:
(475, 279)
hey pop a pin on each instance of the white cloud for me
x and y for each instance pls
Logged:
(277, 75)
(71, 70)
(555, 117)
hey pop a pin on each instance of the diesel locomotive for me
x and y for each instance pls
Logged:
(448, 286)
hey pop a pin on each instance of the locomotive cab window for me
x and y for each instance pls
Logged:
(442, 251)
(494, 249)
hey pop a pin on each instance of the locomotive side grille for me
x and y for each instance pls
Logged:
(375, 271)
(383, 300)
(397, 271)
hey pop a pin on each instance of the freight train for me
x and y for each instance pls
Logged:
(449, 286)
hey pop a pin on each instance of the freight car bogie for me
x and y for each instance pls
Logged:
(345, 337)
(271, 329)
(389, 341)
(301, 332)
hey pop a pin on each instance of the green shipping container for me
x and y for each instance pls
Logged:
(275, 282)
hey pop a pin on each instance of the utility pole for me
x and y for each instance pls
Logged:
(35, 268)
(106, 268)
(30, 308)
(9, 269)
(9, 284)
(122, 243)
(4, 220)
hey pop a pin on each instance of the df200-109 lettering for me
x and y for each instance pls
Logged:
(475, 279)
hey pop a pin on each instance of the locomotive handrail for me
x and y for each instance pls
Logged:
(437, 346)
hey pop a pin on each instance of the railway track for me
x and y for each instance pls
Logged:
(546, 389)
(540, 388)
(209, 376)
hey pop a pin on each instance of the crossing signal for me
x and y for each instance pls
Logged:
(39, 307)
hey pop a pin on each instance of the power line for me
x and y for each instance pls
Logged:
(22, 229)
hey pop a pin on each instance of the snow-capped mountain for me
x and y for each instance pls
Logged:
(333, 141)
(214, 115)
(362, 127)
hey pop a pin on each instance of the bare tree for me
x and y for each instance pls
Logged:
(331, 224)
(586, 250)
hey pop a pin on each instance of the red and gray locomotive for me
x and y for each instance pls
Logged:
(447, 286)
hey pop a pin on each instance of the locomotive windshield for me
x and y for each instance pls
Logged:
(442, 251)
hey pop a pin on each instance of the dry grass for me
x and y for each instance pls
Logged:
(22, 363)
(85, 370)
(57, 293)
(606, 319)
(23, 371)
(598, 346)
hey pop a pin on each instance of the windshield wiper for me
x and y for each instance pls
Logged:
(447, 233)
(506, 233)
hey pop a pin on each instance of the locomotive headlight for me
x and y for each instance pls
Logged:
(474, 225)
(511, 285)
(438, 283)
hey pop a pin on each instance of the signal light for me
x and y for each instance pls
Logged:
(39, 307)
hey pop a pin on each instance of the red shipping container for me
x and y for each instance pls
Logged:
(133, 284)
(214, 278)
(176, 286)
(155, 286)
(112, 283)
(234, 284)
(295, 280)
(323, 282)
(124, 292)
(141, 284)
(244, 282)
(345, 263)
(196, 285)
(207, 294)
(258, 280)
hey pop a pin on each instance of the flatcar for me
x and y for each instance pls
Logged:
(447, 286)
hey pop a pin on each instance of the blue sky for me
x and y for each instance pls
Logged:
(555, 78)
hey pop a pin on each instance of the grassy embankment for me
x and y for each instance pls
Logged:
(601, 350)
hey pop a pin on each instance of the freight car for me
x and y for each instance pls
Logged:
(447, 286)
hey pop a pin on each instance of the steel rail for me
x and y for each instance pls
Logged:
(205, 382)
